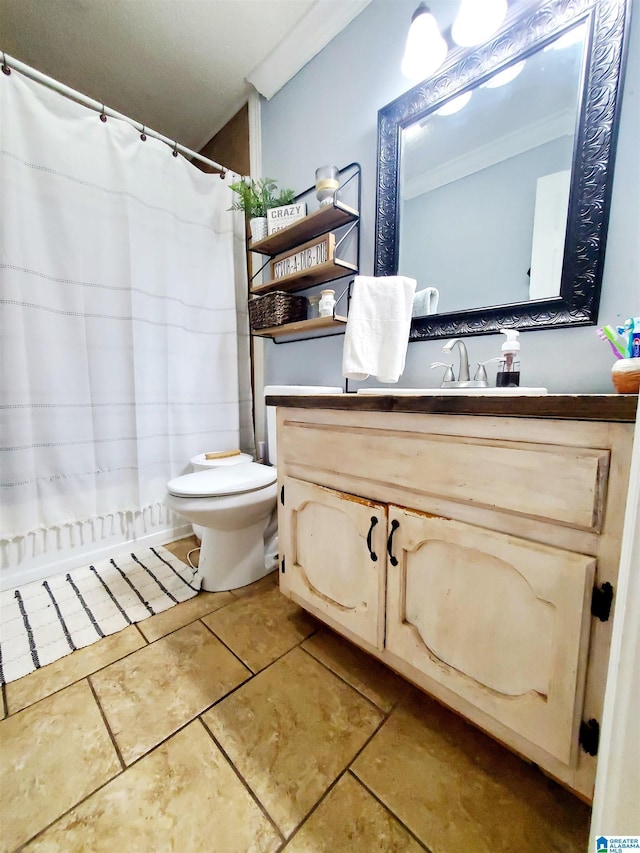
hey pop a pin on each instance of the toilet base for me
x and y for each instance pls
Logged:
(232, 558)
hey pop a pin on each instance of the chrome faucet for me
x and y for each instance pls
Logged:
(463, 380)
(463, 375)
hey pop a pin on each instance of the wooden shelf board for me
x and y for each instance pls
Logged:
(313, 225)
(302, 326)
(303, 280)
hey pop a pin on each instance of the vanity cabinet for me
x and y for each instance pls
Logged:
(464, 552)
(324, 528)
(496, 621)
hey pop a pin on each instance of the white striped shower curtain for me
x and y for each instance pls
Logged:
(119, 328)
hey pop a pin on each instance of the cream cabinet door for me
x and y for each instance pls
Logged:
(500, 621)
(334, 551)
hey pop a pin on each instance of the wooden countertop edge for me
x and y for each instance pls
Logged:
(581, 407)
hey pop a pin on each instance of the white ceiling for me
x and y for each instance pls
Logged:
(178, 66)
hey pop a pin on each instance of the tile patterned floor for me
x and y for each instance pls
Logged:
(236, 723)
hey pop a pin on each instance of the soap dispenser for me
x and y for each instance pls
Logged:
(508, 375)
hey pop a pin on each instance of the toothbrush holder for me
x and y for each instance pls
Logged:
(625, 375)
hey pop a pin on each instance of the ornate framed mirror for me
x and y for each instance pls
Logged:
(494, 175)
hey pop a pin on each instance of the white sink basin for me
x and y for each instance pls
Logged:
(455, 392)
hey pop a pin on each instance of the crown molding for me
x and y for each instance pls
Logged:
(324, 20)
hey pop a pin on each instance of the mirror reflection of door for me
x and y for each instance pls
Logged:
(549, 229)
(482, 213)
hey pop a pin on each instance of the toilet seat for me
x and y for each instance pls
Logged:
(218, 482)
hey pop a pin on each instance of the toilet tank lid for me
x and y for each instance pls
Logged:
(217, 482)
(221, 461)
(300, 390)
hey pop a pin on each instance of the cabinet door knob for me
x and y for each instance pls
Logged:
(395, 524)
(372, 554)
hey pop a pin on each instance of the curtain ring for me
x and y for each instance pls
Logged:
(223, 174)
(143, 135)
(5, 68)
(175, 149)
(103, 116)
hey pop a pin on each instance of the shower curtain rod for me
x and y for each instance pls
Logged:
(9, 62)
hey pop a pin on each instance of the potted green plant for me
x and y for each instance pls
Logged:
(255, 198)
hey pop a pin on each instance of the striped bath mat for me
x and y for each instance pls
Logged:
(46, 620)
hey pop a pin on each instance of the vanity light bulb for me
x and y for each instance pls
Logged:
(426, 49)
(477, 21)
(454, 105)
(505, 76)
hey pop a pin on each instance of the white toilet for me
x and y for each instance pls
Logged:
(201, 463)
(233, 500)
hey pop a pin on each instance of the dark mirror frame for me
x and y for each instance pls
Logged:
(592, 169)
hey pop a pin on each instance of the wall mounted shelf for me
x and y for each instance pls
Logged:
(318, 324)
(320, 274)
(340, 222)
(313, 225)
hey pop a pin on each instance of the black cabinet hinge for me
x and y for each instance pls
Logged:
(282, 569)
(590, 736)
(601, 601)
(282, 495)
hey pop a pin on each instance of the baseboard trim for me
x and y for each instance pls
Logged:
(19, 575)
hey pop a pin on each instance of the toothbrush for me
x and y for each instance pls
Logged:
(612, 338)
(632, 327)
(616, 348)
(621, 330)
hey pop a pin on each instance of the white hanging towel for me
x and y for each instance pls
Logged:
(377, 333)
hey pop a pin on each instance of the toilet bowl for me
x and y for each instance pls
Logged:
(232, 503)
(201, 463)
(233, 507)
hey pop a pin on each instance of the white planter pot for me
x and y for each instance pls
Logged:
(258, 228)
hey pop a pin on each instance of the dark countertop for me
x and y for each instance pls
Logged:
(583, 407)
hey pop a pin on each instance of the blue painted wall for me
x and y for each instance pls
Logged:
(328, 114)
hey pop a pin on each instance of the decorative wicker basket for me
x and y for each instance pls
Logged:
(275, 309)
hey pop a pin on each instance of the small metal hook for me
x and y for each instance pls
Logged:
(175, 149)
(143, 135)
(5, 68)
(103, 116)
